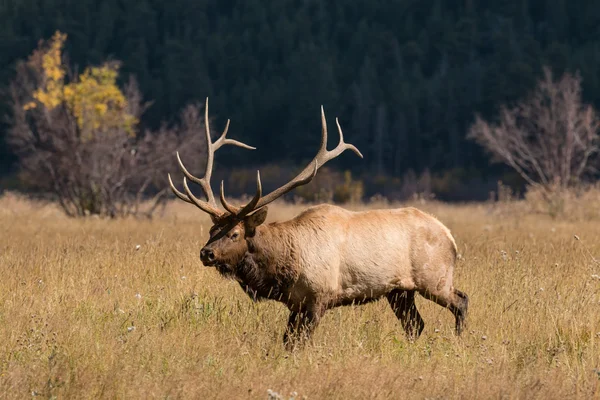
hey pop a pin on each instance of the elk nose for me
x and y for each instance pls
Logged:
(207, 255)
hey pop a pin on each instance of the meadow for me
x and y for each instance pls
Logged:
(96, 308)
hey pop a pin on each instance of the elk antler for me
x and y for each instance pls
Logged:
(302, 178)
(209, 206)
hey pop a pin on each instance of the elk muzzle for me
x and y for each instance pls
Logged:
(207, 256)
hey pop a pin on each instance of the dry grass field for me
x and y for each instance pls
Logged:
(124, 309)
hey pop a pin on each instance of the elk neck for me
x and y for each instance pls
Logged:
(270, 266)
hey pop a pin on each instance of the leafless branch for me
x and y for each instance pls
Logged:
(552, 139)
(111, 174)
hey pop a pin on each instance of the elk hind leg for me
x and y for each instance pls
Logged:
(454, 300)
(403, 304)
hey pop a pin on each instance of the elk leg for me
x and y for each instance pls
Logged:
(460, 310)
(291, 329)
(403, 304)
(456, 301)
(300, 328)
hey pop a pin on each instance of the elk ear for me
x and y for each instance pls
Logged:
(255, 219)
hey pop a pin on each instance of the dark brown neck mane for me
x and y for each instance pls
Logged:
(269, 267)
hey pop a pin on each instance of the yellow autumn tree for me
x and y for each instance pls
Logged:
(93, 98)
(75, 137)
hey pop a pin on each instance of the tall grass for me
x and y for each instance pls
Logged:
(124, 309)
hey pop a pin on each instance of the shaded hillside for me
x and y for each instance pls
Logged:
(405, 77)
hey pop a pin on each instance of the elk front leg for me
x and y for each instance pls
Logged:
(300, 328)
(403, 304)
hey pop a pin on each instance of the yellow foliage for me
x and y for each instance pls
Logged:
(97, 102)
(94, 99)
(51, 94)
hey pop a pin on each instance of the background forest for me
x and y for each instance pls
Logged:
(405, 77)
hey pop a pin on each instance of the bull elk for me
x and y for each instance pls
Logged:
(327, 256)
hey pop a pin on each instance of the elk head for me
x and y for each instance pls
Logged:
(233, 228)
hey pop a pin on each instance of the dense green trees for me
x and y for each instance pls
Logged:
(405, 76)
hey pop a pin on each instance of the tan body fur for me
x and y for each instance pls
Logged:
(346, 256)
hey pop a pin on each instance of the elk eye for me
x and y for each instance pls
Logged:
(234, 236)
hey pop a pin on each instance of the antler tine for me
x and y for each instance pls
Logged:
(241, 212)
(323, 147)
(223, 140)
(204, 206)
(304, 177)
(346, 146)
(210, 154)
(177, 192)
(325, 155)
(190, 198)
(202, 182)
(209, 206)
(226, 205)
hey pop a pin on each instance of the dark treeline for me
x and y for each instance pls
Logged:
(405, 76)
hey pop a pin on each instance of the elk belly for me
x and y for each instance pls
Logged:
(361, 284)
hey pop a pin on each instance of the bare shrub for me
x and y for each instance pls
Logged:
(551, 138)
(88, 151)
(331, 186)
(582, 204)
(321, 188)
(349, 191)
(416, 187)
